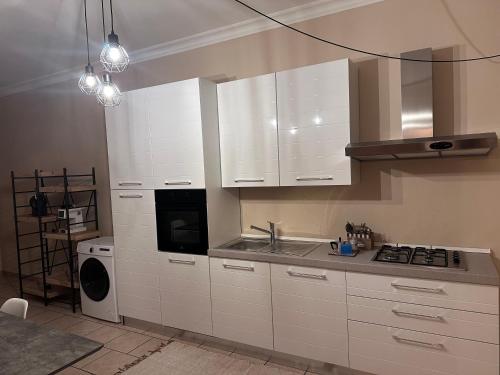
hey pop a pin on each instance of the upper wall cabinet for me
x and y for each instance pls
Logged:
(176, 135)
(248, 132)
(129, 143)
(317, 118)
(156, 136)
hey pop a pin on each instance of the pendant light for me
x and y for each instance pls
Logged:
(114, 58)
(108, 94)
(89, 81)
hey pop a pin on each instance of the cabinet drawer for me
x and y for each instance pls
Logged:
(460, 296)
(185, 292)
(392, 351)
(309, 313)
(438, 320)
(241, 301)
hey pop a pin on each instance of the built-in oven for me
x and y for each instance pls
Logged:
(181, 221)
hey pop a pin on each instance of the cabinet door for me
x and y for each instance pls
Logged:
(241, 301)
(136, 254)
(129, 143)
(310, 313)
(248, 132)
(177, 141)
(185, 292)
(314, 124)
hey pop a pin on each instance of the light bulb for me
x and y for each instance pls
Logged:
(89, 81)
(108, 94)
(113, 57)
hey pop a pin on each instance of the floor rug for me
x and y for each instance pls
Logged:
(177, 358)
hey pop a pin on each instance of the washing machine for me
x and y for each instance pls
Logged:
(96, 266)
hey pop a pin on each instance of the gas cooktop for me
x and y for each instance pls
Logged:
(421, 256)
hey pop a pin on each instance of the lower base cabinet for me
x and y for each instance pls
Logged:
(185, 292)
(310, 313)
(137, 283)
(241, 301)
(393, 351)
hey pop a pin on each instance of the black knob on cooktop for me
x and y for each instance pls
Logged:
(456, 257)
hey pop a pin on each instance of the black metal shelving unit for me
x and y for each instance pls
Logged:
(45, 244)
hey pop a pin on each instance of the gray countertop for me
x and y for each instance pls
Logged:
(480, 267)
(29, 349)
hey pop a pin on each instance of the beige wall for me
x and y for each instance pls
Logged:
(452, 202)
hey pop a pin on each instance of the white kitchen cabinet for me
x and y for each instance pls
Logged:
(385, 350)
(136, 255)
(241, 301)
(448, 322)
(248, 132)
(310, 313)
(129, 143)
(185, 292)
(453, 295)
(401, 325)
(317, 118)
(175, 119)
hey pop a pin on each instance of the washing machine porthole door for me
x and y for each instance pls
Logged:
(94, 279)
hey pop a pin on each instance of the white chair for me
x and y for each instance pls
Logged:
(15, 306)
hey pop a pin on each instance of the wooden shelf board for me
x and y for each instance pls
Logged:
(34, 219)
(59, 279)
(71, 188)
(80, 236)
(32, 287)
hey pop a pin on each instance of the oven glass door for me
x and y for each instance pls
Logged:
(182, 226)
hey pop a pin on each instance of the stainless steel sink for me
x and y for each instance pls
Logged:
(295, 248)
(291, 248)
(245, 244)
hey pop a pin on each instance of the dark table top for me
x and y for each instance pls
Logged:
(29, 349)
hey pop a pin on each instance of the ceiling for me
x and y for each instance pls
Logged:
(44, 37)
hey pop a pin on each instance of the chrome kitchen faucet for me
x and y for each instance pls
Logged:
(271, 231)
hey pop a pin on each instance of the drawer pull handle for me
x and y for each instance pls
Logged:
(180, 261)
(417, 288)
(259, 179)
(130, 195)
(129, 183)
(438, 346)
(306, 275)
(241, 268)
(312, 178)
(414, 315)
(187, 182)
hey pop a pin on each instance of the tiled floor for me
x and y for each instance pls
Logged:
(123, 344)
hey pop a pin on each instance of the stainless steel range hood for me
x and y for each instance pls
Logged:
(418, 140)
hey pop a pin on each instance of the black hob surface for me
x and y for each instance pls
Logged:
(420, 256)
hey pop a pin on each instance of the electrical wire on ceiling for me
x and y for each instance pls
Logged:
(375, 54)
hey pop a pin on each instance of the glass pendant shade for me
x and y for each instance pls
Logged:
(108, 94)
(89, 81)
(113, 57)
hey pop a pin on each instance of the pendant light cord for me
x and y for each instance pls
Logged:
(111, 9)
(357, 49)
(103, 25)
(86, 30)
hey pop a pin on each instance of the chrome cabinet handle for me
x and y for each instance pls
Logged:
(129, 183)
(258, 179)
(417, 288)
(312, 178)
(241, 268)
(306, 275)
(418, 342)
(180, 261)
(130, 195)
(414, 315)
(187, 182)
